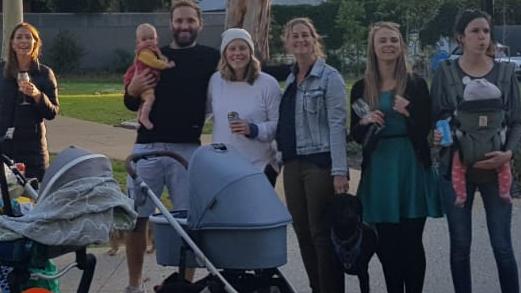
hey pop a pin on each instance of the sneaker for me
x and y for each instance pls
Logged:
(130, 289)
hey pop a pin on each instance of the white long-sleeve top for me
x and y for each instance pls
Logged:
(257, 103)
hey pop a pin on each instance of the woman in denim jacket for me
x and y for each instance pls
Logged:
(311, 135)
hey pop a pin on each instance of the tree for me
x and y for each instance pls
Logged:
(441, 25)
(350, 19)
(140, 5)
(80, 5)
(12, 15)
(413, 15)
(254, 16)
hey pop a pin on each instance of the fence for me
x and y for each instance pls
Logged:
(101, 34)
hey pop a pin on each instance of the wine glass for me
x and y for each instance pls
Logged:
(23, 76)
(361, 108)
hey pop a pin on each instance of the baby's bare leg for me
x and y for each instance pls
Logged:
(144, 110)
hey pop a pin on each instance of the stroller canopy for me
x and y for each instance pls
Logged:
(71, 164)
(228, 192)
(79, 204)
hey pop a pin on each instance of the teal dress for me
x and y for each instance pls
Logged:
(394, 184)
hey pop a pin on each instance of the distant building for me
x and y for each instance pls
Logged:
(220, 5)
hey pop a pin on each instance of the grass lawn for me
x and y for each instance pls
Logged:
(96, 101)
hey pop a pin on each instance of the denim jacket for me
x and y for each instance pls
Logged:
(320, 115)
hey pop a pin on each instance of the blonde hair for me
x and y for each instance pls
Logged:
(252, 69)
(318, 49)
(145, 28)
(11, 65)
(372, 78)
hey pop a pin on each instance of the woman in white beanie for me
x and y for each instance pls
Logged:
(244, 102)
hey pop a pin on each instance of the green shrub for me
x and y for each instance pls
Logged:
(65, 53)
(121, 60)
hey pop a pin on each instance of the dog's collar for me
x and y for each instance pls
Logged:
(348, 256)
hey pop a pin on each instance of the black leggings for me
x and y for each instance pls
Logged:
(400, 250)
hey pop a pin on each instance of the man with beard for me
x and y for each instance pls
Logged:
(178, 116)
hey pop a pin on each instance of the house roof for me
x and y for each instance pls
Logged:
(219, 5)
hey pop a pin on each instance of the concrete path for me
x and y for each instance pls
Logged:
(111, 271)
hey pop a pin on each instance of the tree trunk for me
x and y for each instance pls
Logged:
(254, 16)
(12, 15)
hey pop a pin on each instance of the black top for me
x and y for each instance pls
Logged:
(178, 112)
(419, 123)
(285, 136)
(29, 143)
(286, 133)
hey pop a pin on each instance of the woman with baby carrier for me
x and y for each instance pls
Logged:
(391, 118)
(481, 99)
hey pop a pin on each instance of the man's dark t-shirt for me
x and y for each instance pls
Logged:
(178, 112)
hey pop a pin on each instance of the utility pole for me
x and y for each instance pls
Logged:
(12, 15)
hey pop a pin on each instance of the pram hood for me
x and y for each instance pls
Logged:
(71, 164)
(80, 204)
(228, 192)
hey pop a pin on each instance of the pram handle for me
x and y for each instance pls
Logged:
(130, 163)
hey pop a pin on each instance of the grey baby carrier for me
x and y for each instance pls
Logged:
(479, 123)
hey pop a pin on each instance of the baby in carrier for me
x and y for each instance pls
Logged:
(480, 129)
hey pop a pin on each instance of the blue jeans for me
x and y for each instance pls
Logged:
(499, 218)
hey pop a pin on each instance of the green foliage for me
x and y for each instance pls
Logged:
(321, 15)
(120, 174)
(507, 12)
(79, 5)
(350, 20)
(38, 6)
(142, 6)
(412, 15)
(441, 24)
(65, 53)
(121, 61)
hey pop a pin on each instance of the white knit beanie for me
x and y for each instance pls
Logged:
(236, 33)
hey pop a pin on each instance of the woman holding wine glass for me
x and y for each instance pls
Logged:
(28, 96)
(391, 118)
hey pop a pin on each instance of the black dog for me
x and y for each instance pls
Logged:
(354, 241)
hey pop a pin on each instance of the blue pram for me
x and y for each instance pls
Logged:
(235, 226)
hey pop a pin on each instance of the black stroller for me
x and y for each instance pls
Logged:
(236, 223)
(24, 252)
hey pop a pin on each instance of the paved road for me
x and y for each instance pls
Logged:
(111, 272)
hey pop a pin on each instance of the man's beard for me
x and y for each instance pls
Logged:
(184, 41)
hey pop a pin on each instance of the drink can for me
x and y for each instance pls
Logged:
(233, 116)
(446, 134)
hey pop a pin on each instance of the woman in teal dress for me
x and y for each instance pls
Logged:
(397, 188)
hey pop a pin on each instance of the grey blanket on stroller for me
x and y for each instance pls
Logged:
(80, 213)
